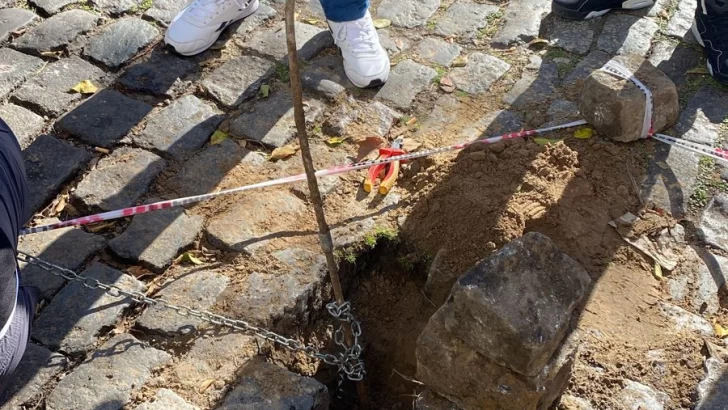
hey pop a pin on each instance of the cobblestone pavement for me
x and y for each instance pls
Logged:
(146, 135)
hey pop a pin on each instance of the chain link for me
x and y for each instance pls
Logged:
(349, 362)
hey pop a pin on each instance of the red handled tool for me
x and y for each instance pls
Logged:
(392, 169)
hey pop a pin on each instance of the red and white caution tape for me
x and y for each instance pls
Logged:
(142, 209)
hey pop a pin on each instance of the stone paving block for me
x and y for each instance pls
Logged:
(537, 85)
(701, 120)
(238, 80)
(672, 177)
(263, 382)
(107, 378)
(117, 6)
(166, 399)
(572, 36)
(574, 82)
(625, 34)
(714, 223)
(270, 121)
(105, 118)
(326, 76)
(252, 222)
(49, 163)
(479, 74)
(310, 40)
(120, 179)
(181, 128)
(73, 319)
(164, 11)
(406, 80)
(155, 238)
(25, 124)
(52, 6)
(198, 290)
(203, 172)
(674, 59)
(14, 19)
(53, 247)
(393, 43)
(682, 20)
(522, 22)
(56, 32)
(50, 92)
(37, 367)
(17, 67)
(464, 18)
(658, 7)
(684, 320)
(563, 110)
(121, 41)
(160, 75)
(264, 13)
(408, 13)
(439, 51)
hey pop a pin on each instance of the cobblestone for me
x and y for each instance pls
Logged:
(198, 290)
(25, 124)
(625, 34)
(164, 11)
(574, 82)
(326, 77)
(146, 77)
(52, 6)
(181, 128)
(406, 80)
(714, 225)
(119, 180)
(439, 51)
(73, 319)
(120, 41)
(522, 21)
(702, 118)
(264, 13)
(537, 86)
(238, 80)
(57, 31)
(682, 20)
(38, 366)
(49, 163)
(117, 6)
(17, 67)
(49, 92)
(104, 119)
(14, 19)
(392, 43)
(107, 378)
(480, 73)
(310, 40)
(155, 238)
(408, 13)
(671, 179)
(572, 36)
(464, 18)
(270, 121)
(166, 399)
(674, 59)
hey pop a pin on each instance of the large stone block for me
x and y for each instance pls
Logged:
(616, 107)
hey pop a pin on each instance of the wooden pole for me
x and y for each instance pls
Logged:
(327, 243)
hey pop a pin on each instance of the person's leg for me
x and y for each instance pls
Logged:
(344, 10)
(15, 342)
(710, 28)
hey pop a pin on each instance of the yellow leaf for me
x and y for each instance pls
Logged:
(335, 141)
(546, 141)
(409, 145)
(460, 62)
(382, 23)
(720, 331)
(412, 121)
(311, 21)
(583, 133)
(658, 271)
(537, 41)
(189, 257)
(52, 54)
(218, 137)
(282, 152)
(264, 90)
(85, 87)
(206, 385)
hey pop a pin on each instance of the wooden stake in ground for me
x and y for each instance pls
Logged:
(327, 243)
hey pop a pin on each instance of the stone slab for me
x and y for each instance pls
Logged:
(702, 119)
(479, 74)
(49, 163)
(392, 42)
(56, 32)
(238, 80)
(25, 123)
(164, 11)
(105, 118)
(166, 399)
(310, 41)
(406, 80)
(73, 319)
(14, 19)
(326, 77)
(625, 34)
(120, 41)
(16, 68)
(270, 121)
(713, 389)
(572, 36)
(408, 13)
(671, 180)
(714, 222)
(117, 6)
(52, 6)
(522, 22)
(682, 20)
(119, 180)
(265, 385)
(156, 238)
(198, 290)
(108, 377)
(50, 92)
(38, 367)
(162, 74)
(574, 82)
(53, 246)
(438, 51)
(247, 25)
(464, 18)
(537, 86)
(181, 128)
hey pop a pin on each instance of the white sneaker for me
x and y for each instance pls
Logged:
(366, 63)
(199, 25)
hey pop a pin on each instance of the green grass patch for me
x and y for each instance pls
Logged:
(709, 183)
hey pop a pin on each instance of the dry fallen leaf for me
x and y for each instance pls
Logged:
(206, 385)
(102, 150)
(412, 121)
(265, 90)
(52, 54)
(720, 331)
(85, 87)
(537, 41)
(410, 145)
(658, 271)
(283, 152)
(447, 85)
(218, 137)
(96, 228)
(546, 141)
(583, 133)
(311, 21)
(381, 23)
(189, 257)
(60, 206)
(335, 141)
(460, 62)
(368, 145)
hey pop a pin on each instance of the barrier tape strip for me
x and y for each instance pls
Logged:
(142, 209)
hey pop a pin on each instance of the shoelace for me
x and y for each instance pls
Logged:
(202, 10)
(360, 34)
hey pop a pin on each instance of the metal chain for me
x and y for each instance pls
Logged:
(349, 362)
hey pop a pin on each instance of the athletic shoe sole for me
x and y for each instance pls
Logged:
(700, 41)
(212, 41)
(587, 15)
